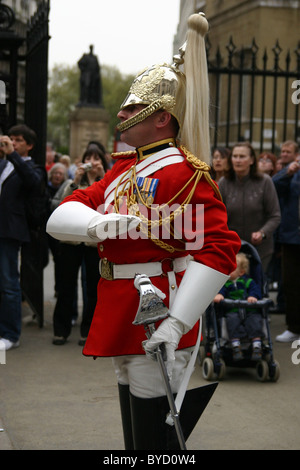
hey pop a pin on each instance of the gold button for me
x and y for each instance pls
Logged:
(101, 247)
(172, 287)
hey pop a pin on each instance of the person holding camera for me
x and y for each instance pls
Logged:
(19, 176)
(93, 168)
(76, 255)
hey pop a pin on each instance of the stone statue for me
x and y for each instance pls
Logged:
(90, 80)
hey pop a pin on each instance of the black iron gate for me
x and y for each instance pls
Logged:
(10, 42)
(30, 51)
(254, 97)
(33, 255)
(37, 77)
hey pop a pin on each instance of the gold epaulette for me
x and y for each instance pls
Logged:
(194, 161)
(127, 154)
(203, 168)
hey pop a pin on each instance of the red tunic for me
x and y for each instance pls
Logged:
(111, 332)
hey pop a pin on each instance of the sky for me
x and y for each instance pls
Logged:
(128, 34)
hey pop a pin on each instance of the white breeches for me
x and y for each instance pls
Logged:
(143, 375)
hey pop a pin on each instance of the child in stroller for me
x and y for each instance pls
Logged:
(254, 345)
(242, 323)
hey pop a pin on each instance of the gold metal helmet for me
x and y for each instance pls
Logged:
(185, 95)
(158, 87)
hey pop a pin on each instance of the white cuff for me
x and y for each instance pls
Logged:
(70, 221)
(197, 290)
(74, 221)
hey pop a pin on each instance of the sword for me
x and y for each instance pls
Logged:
(152, 309)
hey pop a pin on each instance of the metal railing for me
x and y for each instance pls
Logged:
(254, 97)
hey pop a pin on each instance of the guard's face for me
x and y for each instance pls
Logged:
(138, 134)
(129, 111)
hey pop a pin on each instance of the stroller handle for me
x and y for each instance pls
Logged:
(245, 303)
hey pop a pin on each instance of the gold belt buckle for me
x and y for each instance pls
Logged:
(107, 269)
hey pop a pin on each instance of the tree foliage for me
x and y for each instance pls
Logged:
(63, 96)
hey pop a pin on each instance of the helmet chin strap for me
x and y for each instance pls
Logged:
(166, 102)
(140, 116)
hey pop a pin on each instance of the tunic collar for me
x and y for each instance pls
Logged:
(150, 149)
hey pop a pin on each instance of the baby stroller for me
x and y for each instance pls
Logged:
(216, 354)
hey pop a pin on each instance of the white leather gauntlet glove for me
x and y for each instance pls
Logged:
(169, 333)
(111, 225)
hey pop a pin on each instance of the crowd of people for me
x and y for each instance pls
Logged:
(74, 260)
(262, 198)
(20, 177)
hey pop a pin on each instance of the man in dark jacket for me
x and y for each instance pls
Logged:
(287, 183)
(18, 176)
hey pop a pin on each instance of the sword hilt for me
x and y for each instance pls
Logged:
(150, 329)
(151, 307)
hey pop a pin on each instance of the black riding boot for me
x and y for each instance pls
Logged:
(148, 416)
(150, 432)
(126, 416)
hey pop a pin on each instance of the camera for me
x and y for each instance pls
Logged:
(87, 166)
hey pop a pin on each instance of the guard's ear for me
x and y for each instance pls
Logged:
(163, 118)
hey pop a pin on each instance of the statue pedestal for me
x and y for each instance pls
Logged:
(86, 124)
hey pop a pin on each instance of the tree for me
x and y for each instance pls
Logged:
(63, 95)
(115, 89)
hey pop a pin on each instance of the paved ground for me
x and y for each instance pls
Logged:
(53, 398)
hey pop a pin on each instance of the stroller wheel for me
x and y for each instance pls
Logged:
(274, 371)
(201, 355)
(208, 368)
(221, 369)
(262, 371)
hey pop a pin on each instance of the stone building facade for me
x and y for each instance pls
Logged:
(268, 30)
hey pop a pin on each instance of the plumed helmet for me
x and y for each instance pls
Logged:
(184, 94)
(157, 87)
